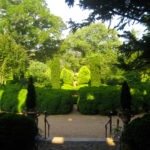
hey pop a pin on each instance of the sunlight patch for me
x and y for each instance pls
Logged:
(58, 140)
(110, 142)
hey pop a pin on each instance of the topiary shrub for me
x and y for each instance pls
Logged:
(136, 134)
(84, 76)
(67, 77)
(17, 132)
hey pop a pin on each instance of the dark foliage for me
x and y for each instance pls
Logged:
(31, 96)
(125, 99)
(17, 132)
(136, 133)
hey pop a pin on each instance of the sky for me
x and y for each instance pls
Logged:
(61, 9)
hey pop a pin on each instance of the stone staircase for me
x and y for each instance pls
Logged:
(60, 143)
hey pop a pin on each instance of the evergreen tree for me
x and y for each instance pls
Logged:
(125, 97)
(31, 96)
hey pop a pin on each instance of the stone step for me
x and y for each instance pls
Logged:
(60, 143)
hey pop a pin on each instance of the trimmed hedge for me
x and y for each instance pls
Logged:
(54, 101)
(17, 132)
(99, 100)
(90, 100)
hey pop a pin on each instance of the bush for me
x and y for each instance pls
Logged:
(67, 77)
(136, 134)
(84, 76)
(54, 101)
(140, 97)
(88, 100)
(17, 132)
(9, 100)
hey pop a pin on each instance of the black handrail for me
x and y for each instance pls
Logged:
(110, 127)
(46, 125)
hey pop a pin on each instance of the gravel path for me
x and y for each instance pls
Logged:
(76, 125)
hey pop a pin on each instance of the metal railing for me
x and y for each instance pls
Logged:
(109, 123)
(46, 126)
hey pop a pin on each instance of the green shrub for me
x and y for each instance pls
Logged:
(54, 101)
(9, 101)
(55, 73)
(88, 100)
(109, 99)
(140, 97)
(40, 72)
(17, 132)
(84, 75)
(67, 77)
(136, 133)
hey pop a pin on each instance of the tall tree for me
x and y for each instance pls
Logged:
(13, 58)
(94, 42)
(128, 12)
(30, 24)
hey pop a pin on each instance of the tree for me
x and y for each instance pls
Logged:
(31, 96)
(13, 58)
(125, 99)
(39, 71)
(94, 42)
(128, 12)
(30, 24)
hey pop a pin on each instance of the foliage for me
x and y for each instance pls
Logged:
(54, 101)
(55, 73)
(21, 99)
(109, 99)
(17, 132)
(95, 41)
(95, 71)
(39, 71)
(88, 101)
(83, 76)
(13, 58)
(98, 100)
(9, 101)
(31, 96)
(67, 77)
(31, 25)
(125, 99)
(136, 133)
(126, 10)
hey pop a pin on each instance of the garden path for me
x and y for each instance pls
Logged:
(76, 125)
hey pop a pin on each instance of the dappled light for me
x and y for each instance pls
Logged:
(58, 140)
(21, 99)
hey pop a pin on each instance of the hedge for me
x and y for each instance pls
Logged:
(136, 134)
(17, 132)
